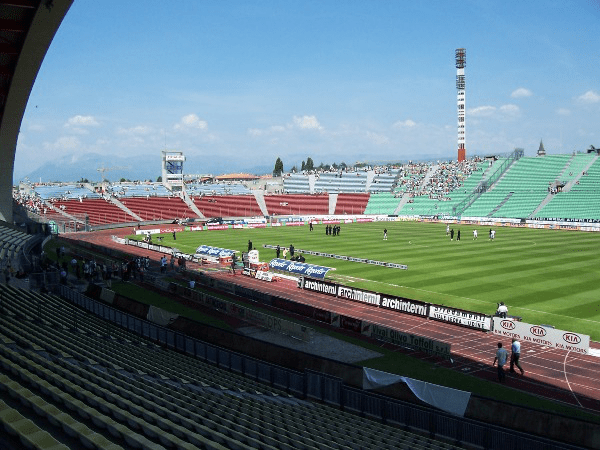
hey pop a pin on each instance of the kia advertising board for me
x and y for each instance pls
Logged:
(541, 335)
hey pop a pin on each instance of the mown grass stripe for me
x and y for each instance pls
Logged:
(540, 273)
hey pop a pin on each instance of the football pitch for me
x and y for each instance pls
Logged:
(549, 277)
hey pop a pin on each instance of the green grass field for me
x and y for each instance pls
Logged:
(546, 276)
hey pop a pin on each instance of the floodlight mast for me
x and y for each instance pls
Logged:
(461, 62)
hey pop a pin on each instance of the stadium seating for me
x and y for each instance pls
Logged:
(384, 182)
(424, 205)
(521, 189)
(351, 203)
(64, 191)
(296, 183)
(197, 189)
(332, 182)
(12, 243)
(228, 205)
(139, 190)
(158, 208)
(293, 204)
(104, 387)
(382, 203)
(98, 211)
(581, 201)
(432, 189)
(410, 177)
(578, 163)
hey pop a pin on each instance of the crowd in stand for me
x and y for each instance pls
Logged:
(32, 203)
(448, 177)
(411, 175)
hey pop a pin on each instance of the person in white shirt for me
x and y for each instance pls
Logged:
(515, 355)
(501, 357)
(502, 310)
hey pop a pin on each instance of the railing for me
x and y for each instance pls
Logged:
(486, 184)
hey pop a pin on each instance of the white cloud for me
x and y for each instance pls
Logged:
(504, 111)
(63, 143)
(563, 112)
(137, 130)
(36, 127)
(265, 131)
(307, 123)
(191, 122)
(510, 110)
(378, 139)
(521, 92)
(404, 124)
(590, 97)
(81, 121)
(481, 111)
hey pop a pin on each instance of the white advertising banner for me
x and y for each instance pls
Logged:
(538, 334)
(265, 276)
(465, 318)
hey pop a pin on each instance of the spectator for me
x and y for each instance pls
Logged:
(502, 310)
(515, 355)
(501, 357)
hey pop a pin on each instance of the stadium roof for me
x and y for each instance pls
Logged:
(27, 28)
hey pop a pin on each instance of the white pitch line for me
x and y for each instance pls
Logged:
(416, 326)
(566, 379)
(419, 245)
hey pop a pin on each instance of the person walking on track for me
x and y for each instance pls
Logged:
(515, 355)
(501, 357)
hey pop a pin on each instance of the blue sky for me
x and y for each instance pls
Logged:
(238, 83)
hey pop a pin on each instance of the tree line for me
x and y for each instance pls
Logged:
(307, 165)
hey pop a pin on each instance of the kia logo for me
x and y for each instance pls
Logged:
(571, 338)
(538, 331)
(507, 324)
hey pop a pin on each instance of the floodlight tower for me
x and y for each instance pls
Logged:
(461, 62)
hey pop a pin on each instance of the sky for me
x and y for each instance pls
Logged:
(237, 84)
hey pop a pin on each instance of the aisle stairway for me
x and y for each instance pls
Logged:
(124, 208)
(332, 202)
(188, 201)
(260, 199)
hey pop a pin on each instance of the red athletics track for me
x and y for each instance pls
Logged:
(557, 374)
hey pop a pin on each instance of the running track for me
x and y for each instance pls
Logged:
(567, 377)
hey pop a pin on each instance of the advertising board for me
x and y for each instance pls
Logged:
(542, 335)
(458, 316)
(299, 268)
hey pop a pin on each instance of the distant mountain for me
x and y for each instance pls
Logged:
(75, 167)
